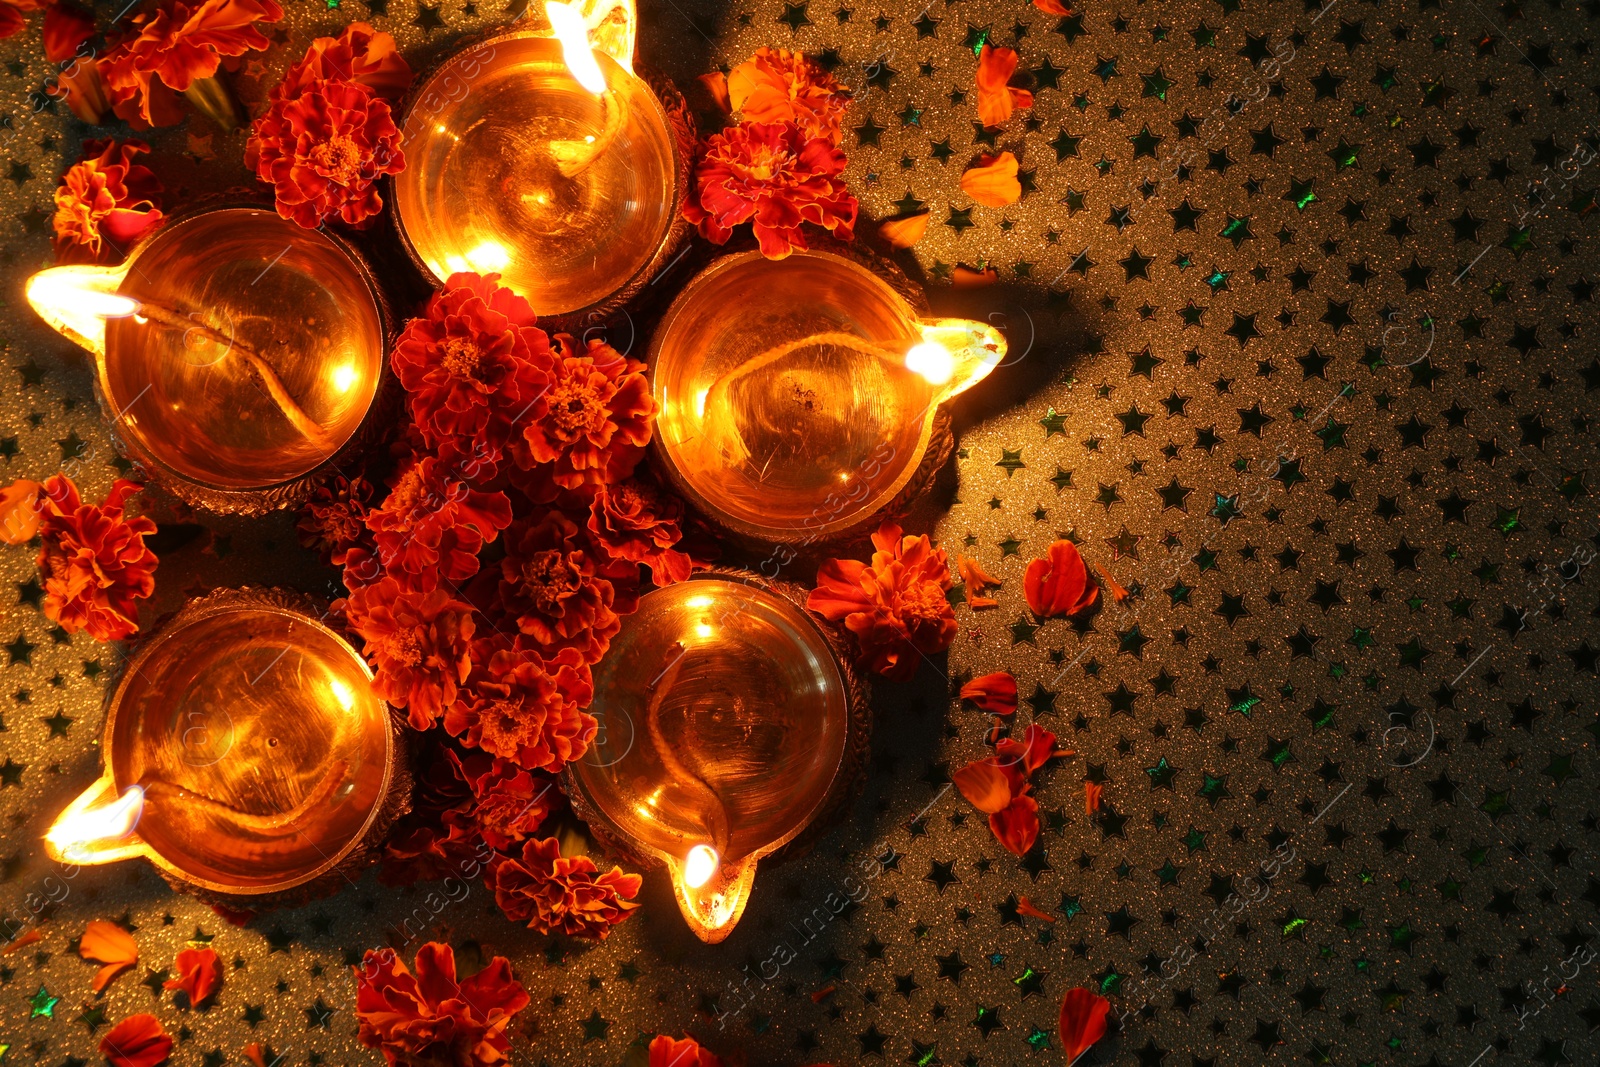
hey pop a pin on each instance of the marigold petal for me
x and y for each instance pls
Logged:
(992, 181)
(137, 1041)
(1083, 1022)
(986, 786)
(904, 232)
(995, 692)
(19, 511)
(1017, 826)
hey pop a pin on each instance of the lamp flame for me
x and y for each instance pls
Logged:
(77, 300)
(701, 864)
(572, 30)
(953, 355)
(84, 830)
(933, 361)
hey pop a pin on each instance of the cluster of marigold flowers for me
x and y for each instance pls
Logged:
(779, 166)
(325, 136)
(488, 573)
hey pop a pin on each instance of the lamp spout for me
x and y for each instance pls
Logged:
(711, 892)
(955, 354)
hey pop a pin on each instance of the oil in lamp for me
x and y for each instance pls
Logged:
(799, 396)
(237, 354)
(548, 161)
(245, 755)
(730, 720)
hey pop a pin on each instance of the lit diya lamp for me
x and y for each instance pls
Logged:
(549, 162)
(245, 756)
(238, 354)
(798, 397)
(730, 721)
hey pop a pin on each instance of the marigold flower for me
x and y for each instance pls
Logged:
(105, 203)
(419, 645)
(557, 590)
(14, 15)
(995, 693)
(94, 560)
(592, 423)
(774, 176)
(334, 519)
(173, 44)
(429, 1019)
(110, 945)
(360, 55)
(895, 605)
(323, 150)
(777, 85)
(472, 365)
(526, 709)
(432, 525)
(637, 521)
(555, 893)
(992, 181)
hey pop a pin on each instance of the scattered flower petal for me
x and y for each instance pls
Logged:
(904, 232)
(107, 943)
(19, 511)
(199, 974)
(995, 692)
(1083, 1022)
(137, 1041)
(1059, 584)
(993, 182)
(996, 98)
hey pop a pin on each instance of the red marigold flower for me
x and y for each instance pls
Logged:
(772, 175)
(996, 98)
(552, 892)
(526, 709)
(333, 520)
(668, 1051)
(199, 975)
(777, 85)
(895, 605)
(508, 803)
(472, 365)
(323, 151)
(428, 1019)
(593, 422)
(94, 560)
(105, 203)
(175, 44)
(137, 1041)
(432, 524)
(432, 844)
(1059, 583)
(419, 645)
(360, 55)
(636, 521)
(556, 590)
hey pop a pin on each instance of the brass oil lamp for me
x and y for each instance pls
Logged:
(245, 756)
(799, 396)
(730, 721)
(238, 355)
(550, 162)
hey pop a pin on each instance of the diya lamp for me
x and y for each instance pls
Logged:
(730, 722)
(541, 155)
(799, 397)
(239, 356)
(245, 756)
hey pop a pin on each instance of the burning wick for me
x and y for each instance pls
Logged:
(573, 157)
(698, 867)
(72, 835)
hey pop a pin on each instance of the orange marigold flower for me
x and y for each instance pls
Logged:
(334, 519)
(105, 203)
(895, 605)
(472, 364)
(419, 645)
(428, 1018)
(199, 974)
(508, 803)
(775, 177)
(94, 560)
(360, 55)
(432, 524)
(561, 593)
(323, 150)
(996, 97)
(137, 1041)
(637, 521)
(526, 709)
(1059, 583)
(683, 1051)
(552, 892)
(173, 44)
(777, 85)
(592, 424)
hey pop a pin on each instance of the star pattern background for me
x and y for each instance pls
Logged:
(1300, 299)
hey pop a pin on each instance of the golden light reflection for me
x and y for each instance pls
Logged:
(345, 377)
(342, 693)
